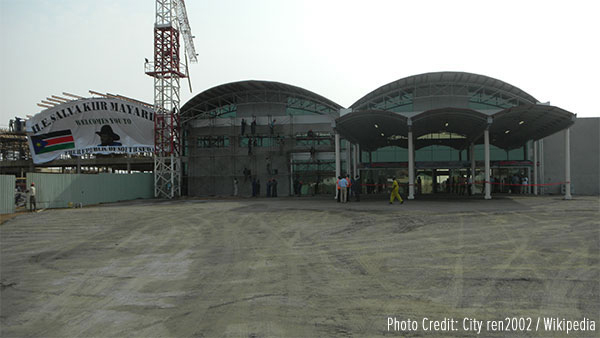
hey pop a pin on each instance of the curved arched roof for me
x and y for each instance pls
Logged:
(449, 120)
(509, 128)
(372, 129)
(210, 103)
(513, 127)
(477, 91)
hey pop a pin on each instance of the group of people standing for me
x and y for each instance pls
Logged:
(515, 184)
(271, 187)
(460, 185)
(252, 126)
(347, 187)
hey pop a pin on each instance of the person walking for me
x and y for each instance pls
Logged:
(31, 193)
(338, 194)
(395, 194)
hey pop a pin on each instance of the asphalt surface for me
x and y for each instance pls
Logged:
(300, 267)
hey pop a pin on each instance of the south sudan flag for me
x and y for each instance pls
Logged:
(57, 140)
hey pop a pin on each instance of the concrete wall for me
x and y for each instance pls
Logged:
(585, 158)
(58, 190)
(7, 194)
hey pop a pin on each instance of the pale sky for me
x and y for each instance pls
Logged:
(338, 49)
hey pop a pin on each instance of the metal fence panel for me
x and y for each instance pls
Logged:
(65, 190)
(7, 194)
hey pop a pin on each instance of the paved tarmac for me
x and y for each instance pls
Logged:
(302, 267)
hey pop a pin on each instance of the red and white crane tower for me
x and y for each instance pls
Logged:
(167, 70)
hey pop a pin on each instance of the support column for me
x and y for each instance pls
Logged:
(472, 155)
(338, 167)
(291, 192)
(411, 165)
(348, 158)
(129, 163)
(535, 167)
(541, 168)
(355, 161)
(568, 164)
(486, 137)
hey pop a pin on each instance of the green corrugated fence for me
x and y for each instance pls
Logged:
(65, 190)
(7, 194)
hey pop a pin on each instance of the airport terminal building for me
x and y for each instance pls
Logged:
(435, 132)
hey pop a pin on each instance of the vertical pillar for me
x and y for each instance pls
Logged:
(535, 167)
(338, 169)
(355, 161)
(526, 156)
(472, 155)
(541, 168)
(411, 165)
(79, 164)
(348, 158)
(291, 190)
(567, 164)
(129, 163)
(486, 137)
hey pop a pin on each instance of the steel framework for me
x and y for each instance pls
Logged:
(167, 70)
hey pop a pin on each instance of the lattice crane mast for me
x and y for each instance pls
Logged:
(167, 70)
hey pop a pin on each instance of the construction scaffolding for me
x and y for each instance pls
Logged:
(167, 70)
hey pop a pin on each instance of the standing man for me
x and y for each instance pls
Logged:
(243, 126)
(349, 188)
(395, 194)
(274, 188)
(235, 187)
(269, 186)
(344, 190)
(31, 192)
(525, 187)
(470, 185)
(356, 186)
(338, 194)
(253, 126)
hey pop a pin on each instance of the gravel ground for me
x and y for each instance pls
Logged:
(299, 267)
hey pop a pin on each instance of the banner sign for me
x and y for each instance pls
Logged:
(91, 126)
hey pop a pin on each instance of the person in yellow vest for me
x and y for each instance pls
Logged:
(395, 194)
